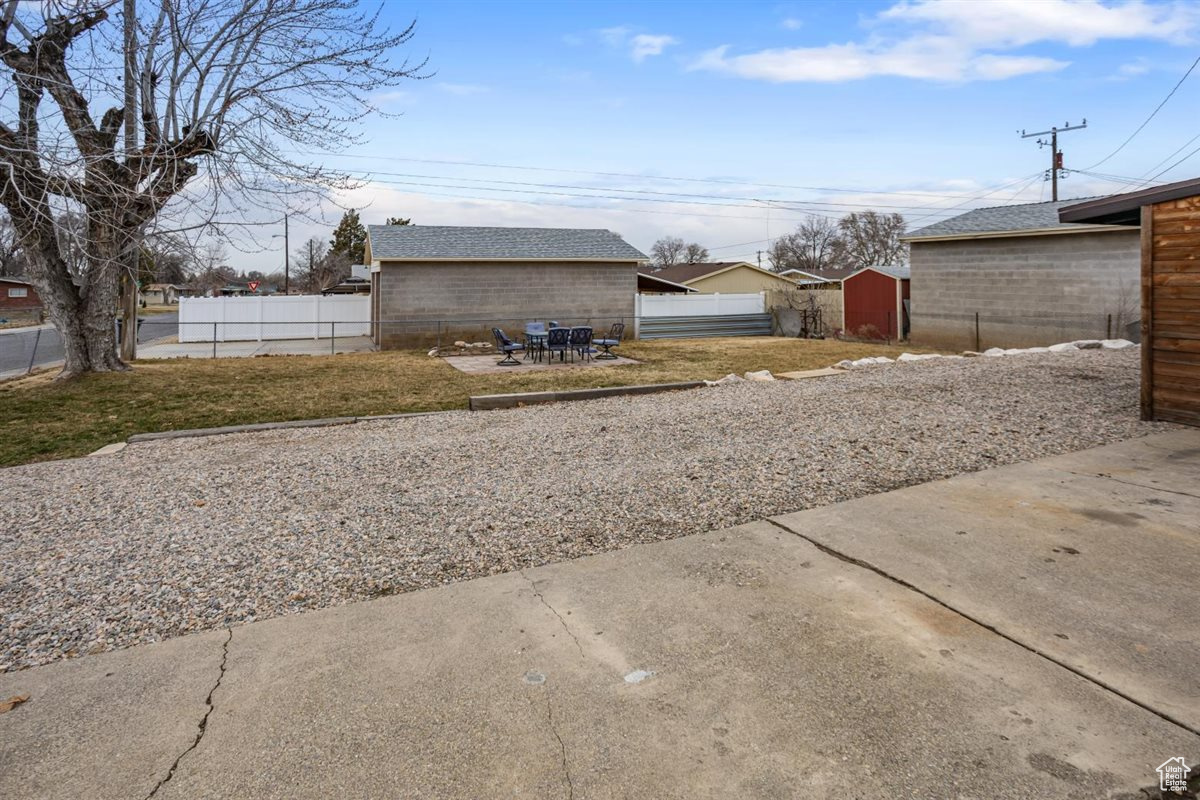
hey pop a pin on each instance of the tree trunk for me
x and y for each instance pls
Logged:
(85, 320)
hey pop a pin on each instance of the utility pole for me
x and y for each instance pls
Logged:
(129, 286)
(286, 258)
(1056, 156)
(760, 259)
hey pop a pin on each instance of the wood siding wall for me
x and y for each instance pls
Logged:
(1171, 311)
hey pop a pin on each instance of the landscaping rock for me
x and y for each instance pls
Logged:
(993, 352)
(1065, 347)
(1087, 344)
(761, 375)
(177, 539)
(1116, 344)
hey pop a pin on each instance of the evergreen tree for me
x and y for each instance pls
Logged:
(350, 238)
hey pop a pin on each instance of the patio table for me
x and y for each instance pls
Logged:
(535, 343)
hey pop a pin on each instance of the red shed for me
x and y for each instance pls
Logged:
(875, 303)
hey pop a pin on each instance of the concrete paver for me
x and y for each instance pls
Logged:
(1087, 557)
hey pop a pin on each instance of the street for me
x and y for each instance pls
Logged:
(17, 346)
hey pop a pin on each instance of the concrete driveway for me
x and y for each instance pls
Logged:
(915, 643)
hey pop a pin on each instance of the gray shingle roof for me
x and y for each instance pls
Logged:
(898, 271)
(420, 242)
(1028, 217)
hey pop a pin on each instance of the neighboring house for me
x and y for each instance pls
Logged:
(802, 277)
(874, 302)
(431, 280)
(18, 301)
(350, 286)
(1031, 279)
(1168, 270)
(650, 283)
(163, 294)
(726, 277)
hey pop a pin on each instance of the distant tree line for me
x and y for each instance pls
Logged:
(857, 240)
(316, 264)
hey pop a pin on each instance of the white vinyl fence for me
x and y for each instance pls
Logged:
(249, 319)
(700, 305)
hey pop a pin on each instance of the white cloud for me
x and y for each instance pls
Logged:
(1133, 69)
(640, 46)
(925, 59)
(1013, 23)
(943, 40)
(791, 24)
(645, 44)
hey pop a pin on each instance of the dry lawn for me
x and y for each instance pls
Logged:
(41, 419)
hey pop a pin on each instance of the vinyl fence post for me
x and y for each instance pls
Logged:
(332, 337)
(214, 340)
(33, 356)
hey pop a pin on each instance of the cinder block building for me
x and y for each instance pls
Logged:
(437, 283)
(1015, 276)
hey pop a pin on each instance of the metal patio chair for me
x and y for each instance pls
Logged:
(558, 340)
(581, 343)
(508, 347)
(611, 340)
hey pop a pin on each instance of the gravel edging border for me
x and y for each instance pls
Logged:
(492, 402)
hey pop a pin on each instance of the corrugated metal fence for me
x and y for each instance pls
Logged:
(678, 316)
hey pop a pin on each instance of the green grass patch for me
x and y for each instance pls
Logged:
(43, 419)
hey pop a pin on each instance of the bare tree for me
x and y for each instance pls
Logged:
(673, 250)
(873, 239)
(695, 254)
(320, 266)
(225, 91)
(816, 244)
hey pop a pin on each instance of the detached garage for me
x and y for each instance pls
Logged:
(1169, 217)
(1017, 276)
(432, 282)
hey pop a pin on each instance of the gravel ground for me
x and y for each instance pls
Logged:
(174, 537)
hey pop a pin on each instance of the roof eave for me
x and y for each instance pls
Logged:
(461, 259)
(1122, 207)
(948, 237)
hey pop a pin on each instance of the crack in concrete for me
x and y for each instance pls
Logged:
(561, 746)
(203, 725)
(563, 622)
(858, 562)
(1106, 476)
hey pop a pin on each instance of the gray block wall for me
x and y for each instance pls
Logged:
(1029, 291)
(421, 302)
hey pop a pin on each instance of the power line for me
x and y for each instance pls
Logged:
(623, 174)
(1153, 113)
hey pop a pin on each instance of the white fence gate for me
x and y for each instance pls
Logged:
(700, 305)
(250, 319)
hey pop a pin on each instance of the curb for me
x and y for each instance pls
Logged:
(273, 426)
(492, 402)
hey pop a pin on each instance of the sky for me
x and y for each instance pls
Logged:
(724, 123)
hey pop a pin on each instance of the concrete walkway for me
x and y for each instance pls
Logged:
(916, 643)
(278, 347)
